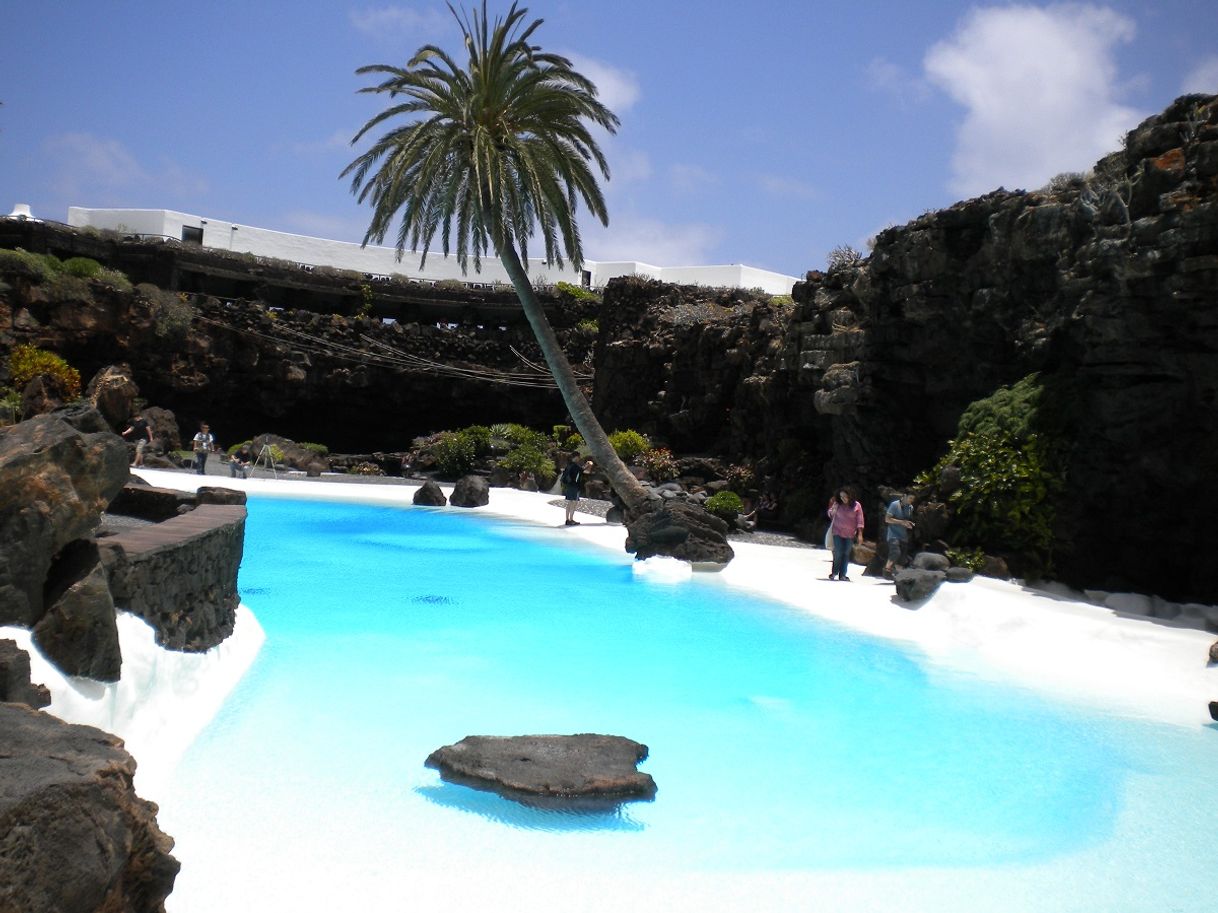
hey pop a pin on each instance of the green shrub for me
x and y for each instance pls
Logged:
(27, 362)
(659, 464)
(20, 259)
(1011, 411)
(528, 458)
(512, 435)
(81, 267)
(114, 279)
(10, 406)
(726, 505)
(233, 449)
(64, 288)
(628, 444)
(172, 314)
(971, 558)
(319, 449)
(1007, 492)
(455, 453)
(588, 326)
(578, 292)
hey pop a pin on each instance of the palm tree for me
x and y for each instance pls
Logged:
(492, 152)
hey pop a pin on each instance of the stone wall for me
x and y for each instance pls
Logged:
(180, 575)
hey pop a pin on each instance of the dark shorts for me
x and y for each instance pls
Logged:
(570, 492)
(898, 551)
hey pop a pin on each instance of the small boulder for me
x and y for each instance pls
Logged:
(914, 584)
(471, 491)
(678, 529)
(554, 767)
(1214, 652)
(112, 392)
(208, 494)
(930, 561)
(959, 575)
(15, 684)
(430, 495)
(1214, 711)
(995, 567)
(79, 631)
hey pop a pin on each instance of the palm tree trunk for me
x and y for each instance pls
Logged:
(622, 480)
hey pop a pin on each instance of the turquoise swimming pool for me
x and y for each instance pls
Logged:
(786, 750)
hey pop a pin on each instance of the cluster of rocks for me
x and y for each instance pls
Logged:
(1101, 283)
(62, 574)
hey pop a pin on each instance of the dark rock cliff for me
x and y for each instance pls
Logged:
(1107, 284)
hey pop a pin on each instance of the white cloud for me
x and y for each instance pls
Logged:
(338, 139)
(892, 79)
(626, 166)
(99, 169)
(1039, 86)
(691, 179)
(395, 24)
(1203, 78)
(786, 187)
(635, 237)
(617, 89)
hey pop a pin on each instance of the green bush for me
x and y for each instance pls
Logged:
(65, 288)
(37, 264)
(10, 406)
(455, 453)
(1006, 495)
(233, 449)
(578, 292)
(528, 458)
(27, 362)
(659, 464)
(114, 279)
(172, 313)
(589, 326)
(971, 558)
(726, 505)
(1011, 411)
(481, 436)
(628, 444)
(319, 449)
(510, 434)
(81, 267)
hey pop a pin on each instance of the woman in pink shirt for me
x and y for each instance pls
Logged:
(847, 516)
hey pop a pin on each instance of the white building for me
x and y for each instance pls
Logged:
(383, 261)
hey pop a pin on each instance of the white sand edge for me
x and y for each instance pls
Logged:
(1048, 640)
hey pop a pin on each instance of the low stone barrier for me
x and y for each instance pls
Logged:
(180, 575)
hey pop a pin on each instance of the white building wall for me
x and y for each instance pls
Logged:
(382, 261)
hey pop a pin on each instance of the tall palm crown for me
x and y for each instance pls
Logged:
(495, 150)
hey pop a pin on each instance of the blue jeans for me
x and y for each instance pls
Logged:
(842, 546)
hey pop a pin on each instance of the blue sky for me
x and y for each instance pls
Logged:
(764, 133)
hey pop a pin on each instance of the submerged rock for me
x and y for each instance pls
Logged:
(548, 767)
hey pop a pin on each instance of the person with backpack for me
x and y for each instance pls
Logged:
(572, 484)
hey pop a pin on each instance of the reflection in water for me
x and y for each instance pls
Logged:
(534, 816)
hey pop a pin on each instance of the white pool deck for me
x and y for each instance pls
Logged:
(1048, 641)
